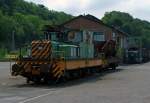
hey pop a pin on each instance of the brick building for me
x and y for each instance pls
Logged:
(87, 28)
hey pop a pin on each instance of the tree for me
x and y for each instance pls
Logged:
(26, 20)
(133, 26)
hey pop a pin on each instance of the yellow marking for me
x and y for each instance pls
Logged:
(44, 54)
(41, 43)
(56, 74)
(57, 68)
(35, 53)
(40, 63)
(11, 56)
(35, 48)
(22, 64)
(41, 51)
(35, 72)
(61, 73)
(26, 65)
(18, 62)
(53, 65)
(61, 65)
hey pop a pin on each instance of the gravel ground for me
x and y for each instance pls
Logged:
(128, 84)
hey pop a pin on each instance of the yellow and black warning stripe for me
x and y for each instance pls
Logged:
(42, 53)
(26, 66)
(58, 69)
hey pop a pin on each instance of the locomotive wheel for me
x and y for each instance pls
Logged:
(67, 75)
(27, 81)
(114, 68)
(36, 79)
(61, 80)
(81, 73)
(88, 71)
(49, 80)
(15, 70)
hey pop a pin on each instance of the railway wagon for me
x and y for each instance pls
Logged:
(64, 55)
(137, 55)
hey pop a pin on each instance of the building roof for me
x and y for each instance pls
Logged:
(57, 28)
(51, 28)
(93, 18)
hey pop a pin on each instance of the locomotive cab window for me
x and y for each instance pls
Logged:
(54, 37)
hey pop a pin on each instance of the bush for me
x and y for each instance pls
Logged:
(3, 52)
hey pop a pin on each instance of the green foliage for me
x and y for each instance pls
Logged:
(25, 20)
(3, 52)
(120, 53)
(133, 26)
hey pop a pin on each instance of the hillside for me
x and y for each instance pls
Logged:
(25, 20)
(133, 26)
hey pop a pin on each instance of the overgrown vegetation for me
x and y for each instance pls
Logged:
(25, 20)
(133, 26)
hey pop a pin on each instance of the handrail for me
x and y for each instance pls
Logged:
(105, 45)
(60, 53)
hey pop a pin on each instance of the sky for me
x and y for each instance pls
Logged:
(137, 8)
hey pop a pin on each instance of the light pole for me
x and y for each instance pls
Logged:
(13, 41)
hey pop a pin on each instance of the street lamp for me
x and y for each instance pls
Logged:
(13, 40)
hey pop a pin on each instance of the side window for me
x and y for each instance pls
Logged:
(73, 52)
(75, 36)
(78, 37)
(113, 36)
(99, 36)
(53, 37)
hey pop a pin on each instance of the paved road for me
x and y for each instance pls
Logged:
(129, 84)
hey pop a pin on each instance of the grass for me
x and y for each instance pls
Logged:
(5, 55)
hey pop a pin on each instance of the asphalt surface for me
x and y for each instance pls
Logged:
(128, 84)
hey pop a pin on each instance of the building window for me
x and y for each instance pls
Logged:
(75, 36)
(87, 36)
(99, 36)
(73, 52)
(113, 36)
